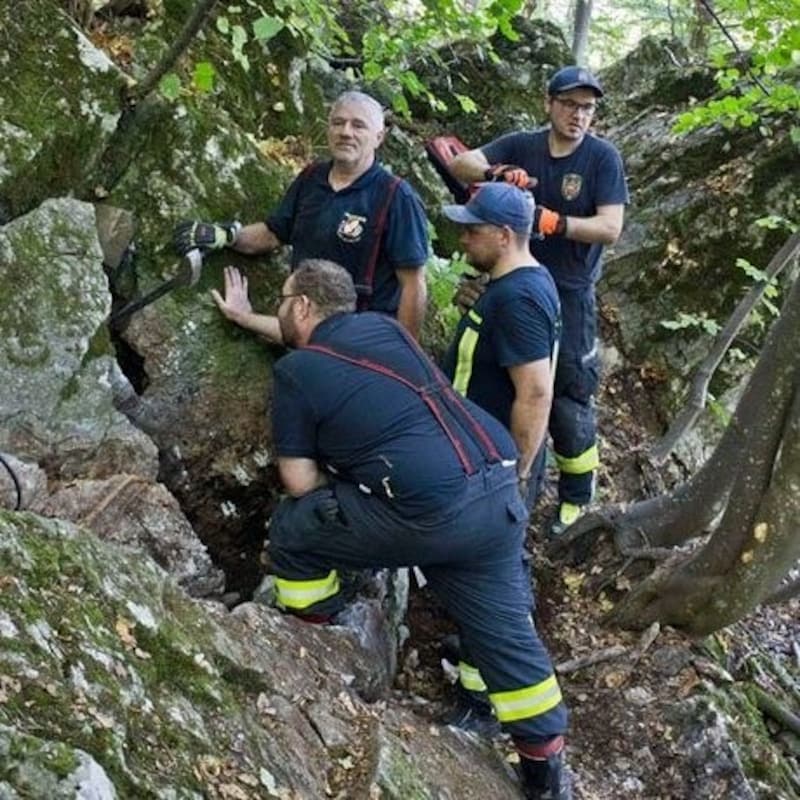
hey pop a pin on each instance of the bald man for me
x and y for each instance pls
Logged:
(347, 209)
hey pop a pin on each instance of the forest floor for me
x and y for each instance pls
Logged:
(628, 735)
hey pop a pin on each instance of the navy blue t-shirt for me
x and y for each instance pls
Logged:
(340, 226)
(574, 185)
(515, 321)
(369, 428)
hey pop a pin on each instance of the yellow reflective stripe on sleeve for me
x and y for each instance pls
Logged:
(302, 594)
(531, 701)
(466, 352)
(470, 677)
(578, 465)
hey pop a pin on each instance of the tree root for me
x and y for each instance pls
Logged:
(612, 653)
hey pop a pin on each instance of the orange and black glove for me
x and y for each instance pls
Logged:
(548, 223)
(516, 176)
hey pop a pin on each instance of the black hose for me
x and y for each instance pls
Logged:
(15, 480)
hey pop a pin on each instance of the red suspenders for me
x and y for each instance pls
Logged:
(428, 395)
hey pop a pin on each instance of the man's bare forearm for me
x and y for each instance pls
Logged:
(528, 429)
(413, 299)
(470, 166)
(255, 239)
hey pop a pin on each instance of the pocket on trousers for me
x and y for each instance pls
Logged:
(516, 510)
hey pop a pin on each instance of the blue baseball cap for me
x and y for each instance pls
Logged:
(574, 78)
(495, 204)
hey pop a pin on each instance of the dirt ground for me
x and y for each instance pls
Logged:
(624, 741)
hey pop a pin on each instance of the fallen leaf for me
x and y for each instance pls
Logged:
(124, 629)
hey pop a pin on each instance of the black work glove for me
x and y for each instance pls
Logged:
(326, 506)
(508, 173)
(192, 235)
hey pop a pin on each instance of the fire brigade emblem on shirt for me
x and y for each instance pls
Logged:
(571, 186)
(351, 228)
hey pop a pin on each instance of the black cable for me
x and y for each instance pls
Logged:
(15, 480)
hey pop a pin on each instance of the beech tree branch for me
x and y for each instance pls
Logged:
(196, 20)
(698, 392)
(729, 37)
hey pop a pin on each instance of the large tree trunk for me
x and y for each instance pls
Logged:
(755, 543)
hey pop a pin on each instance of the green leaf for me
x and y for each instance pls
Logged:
(400, 105)
(467, 103)
(223, 26)
(266, 27)
(239, 37)
(204, 74)
(170, 86)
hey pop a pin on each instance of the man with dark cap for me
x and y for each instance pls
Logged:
(579, 185)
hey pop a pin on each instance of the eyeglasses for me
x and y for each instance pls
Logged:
(587, 109)
(282, 297)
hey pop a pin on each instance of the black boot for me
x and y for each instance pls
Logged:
(546, 777)
(473, 713)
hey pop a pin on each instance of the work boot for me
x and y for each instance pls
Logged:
(566, 515)
(474, 714)
(545, 777)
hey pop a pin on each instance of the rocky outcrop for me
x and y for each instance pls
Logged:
(77, 456)
(59, 105)
(113, 683)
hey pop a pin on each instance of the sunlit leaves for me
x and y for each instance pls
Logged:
(266, 27)
(203, 77)
(769, 32)
(170, 86)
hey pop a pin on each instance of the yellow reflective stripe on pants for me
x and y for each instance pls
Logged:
(578, 465)
(470, 677)
(302, 594)
(530, 701)
(466, 352)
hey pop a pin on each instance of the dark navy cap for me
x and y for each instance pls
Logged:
(573, 78)
(495, 204)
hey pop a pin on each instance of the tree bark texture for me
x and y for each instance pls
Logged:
(193, 24)
(580, 30)
(755, 543)
(698, 391)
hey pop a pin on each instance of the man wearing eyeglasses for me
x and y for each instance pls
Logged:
(578, 182)
(385, 465)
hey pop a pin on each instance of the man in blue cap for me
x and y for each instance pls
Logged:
(504, 351)
(579, 185)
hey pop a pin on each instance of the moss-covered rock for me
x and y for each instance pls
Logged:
(509, 92)
(108, 669)
(59, 105)
(56, 403)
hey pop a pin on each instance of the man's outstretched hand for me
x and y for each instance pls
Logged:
(235, 304)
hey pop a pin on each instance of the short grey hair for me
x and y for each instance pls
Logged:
(327, 284)
(363, 99)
